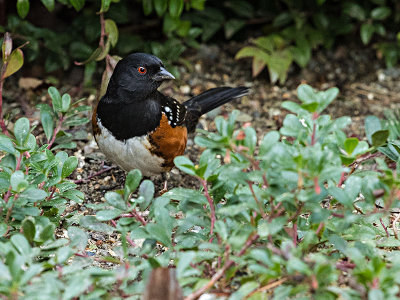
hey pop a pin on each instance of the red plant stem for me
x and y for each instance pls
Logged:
(317, 188)
(132, 243)
(375, 283)
(337, 215)
(52, 193)
(342, 179)
(212, 207)
(256, 199)
(93, 175)
(102, 30)
(320, 226)
(217, 276)
(313, 134)
(2, 124)
(295, 234)
(138, 217)
(344, 266)
(384, 227)
(56, 130)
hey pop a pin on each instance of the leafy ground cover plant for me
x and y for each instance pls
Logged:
(302, 212)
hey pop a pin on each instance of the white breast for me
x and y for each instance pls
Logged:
(131, 154)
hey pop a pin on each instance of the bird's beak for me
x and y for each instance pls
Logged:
(163, 75)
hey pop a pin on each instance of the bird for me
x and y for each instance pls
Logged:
(138, 127)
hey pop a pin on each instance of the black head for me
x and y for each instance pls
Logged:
(137, 75)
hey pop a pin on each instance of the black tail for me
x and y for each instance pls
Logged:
(209, 100)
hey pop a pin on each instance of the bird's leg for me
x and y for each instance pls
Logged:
(165, 177)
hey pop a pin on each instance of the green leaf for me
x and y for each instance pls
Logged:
(372, 124)
(74, 195)
(379, 137)
(65, 102)
(6, 145)
(21, 244)
(21, 131)
(232, 26)
(310, 107)
(77, 4)
(112, 31)
(105, 5)
(46, 118)
(366, 32)
(78, 238)
(265, 228)
(185, 164)
(107, 215)
(90, 222)
(49, 4)
(354, 10)
(28, 229)
(47, 233)
(147, 7)
(159, 232)
(115, 200)
(306, 93)
(269, 140)
(341, 196)
(69, 166)
(132, 182)
(14, 62)
(56, 98)
(244, 290)
(33, 194)
(96, 54)
(23, 8)
(250, 51)
(197, 4)
(175, 8)
(361, 148)
(185, 259)
(146, 192)
(350, 144)
(381, 13)
(160, 6)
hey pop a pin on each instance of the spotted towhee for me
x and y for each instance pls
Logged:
(137, 127)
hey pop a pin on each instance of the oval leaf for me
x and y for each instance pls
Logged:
(69, 166)
(14, 62)
(112, 31)
(21, 130)
(23, 8)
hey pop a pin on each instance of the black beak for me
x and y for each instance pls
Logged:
(163, 75)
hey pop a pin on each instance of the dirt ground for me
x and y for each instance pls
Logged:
(366, 88)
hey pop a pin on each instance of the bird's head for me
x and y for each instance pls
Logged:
(138, 74)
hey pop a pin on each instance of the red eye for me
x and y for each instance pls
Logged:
(142, 70)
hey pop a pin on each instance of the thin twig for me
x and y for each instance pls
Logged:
(394, 225)
(138, 217)
(217, 276)
(320, 227)
(269, 286)
(56, 130)
(212, 207)
(384, 227)
(78, 181)
(260, 207)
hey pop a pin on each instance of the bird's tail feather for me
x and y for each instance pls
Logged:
(210, 100)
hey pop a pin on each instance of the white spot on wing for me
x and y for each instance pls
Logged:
(167, 109)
